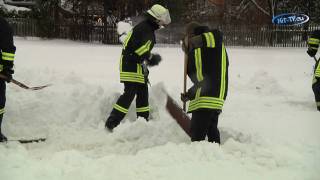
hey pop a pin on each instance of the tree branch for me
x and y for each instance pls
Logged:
(260, 8)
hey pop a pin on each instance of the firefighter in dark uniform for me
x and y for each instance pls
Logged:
(208, 70)
(136, 56)
(313, 43)
(7, 52)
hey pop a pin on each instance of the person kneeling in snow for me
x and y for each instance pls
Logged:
(313, 43)
(7, 53)
(207, 67)
(136, 55)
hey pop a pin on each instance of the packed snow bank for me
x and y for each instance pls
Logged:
(269, 126)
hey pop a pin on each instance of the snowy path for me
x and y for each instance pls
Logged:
(269, 127)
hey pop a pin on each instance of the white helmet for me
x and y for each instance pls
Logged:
(161, 14)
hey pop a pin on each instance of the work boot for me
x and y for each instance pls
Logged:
(112, 122)
(3, 138)
(144, 115)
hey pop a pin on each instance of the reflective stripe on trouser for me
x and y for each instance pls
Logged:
(143, 109)
(120, 109)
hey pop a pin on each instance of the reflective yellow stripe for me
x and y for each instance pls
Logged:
(223, 72)
(313, 41)
(126, 77)
(7, 56)
(2, 111)
(317, 71)
(121, 109)
(198, 64)
(207, 39)
(121, 63)
(132, 80)
(132, 77)
(206, 102)
(139, 69)
(143, 109)
(207, 99)
(198, 93)
(143, 49)
(315, 48)
(133, 74)
(210, 40)
(125, 43)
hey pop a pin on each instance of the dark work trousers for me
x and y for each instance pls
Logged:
(204, 122)
(316, 91)
(120, 109)
(2, 100)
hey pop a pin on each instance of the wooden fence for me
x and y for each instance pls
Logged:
(267, 35)
(88, 33)
(235, 35)
(250, 35)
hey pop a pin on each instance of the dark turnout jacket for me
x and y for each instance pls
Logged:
(314, 42)
(7, 48)
(208, 70)
(136, 48)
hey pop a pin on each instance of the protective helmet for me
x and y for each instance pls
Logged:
(161, 14)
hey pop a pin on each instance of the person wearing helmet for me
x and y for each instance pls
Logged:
(313, 43)
(207, 67)
(7, 53)
(136, 56)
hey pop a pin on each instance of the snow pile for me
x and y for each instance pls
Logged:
(269, 126)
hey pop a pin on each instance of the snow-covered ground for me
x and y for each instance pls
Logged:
(269, 126)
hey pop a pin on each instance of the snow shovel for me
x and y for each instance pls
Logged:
(185, 79)
(23, 85)
(178, 114)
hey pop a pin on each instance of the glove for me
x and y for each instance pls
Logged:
(184, 97)
(154, 59)
(145, 69)
(8, 73)
(312, 52)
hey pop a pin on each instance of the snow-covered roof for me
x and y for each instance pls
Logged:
(20, 2)
(10, 8)
(66, 6)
